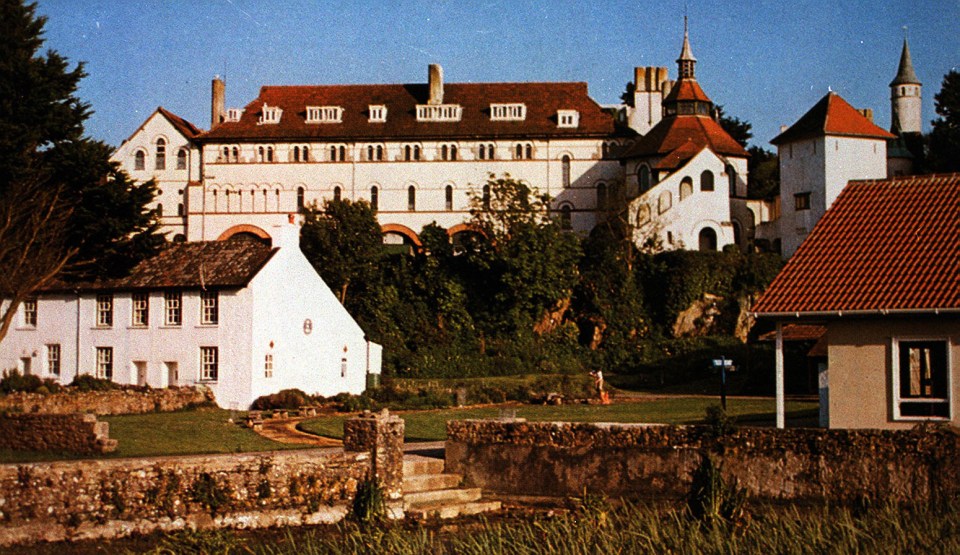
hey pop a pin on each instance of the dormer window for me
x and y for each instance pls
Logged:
(439, 112)
(269, 115)
(233, 114)
(508, 112)
(378, 113)
(568, 118)
(324, 114)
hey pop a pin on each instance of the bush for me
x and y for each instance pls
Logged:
(354, 403)
(288, 399)
(397, 398)
(86, 382)
(13, 381)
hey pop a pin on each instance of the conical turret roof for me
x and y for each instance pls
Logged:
(905, 73)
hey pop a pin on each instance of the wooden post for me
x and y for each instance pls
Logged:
(781, 417)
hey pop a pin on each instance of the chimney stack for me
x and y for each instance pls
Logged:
(218, 111)
(867, 113)
(435, 80)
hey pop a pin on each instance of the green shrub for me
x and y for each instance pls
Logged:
(286, 399)
(354, 403)
(714, 500)
(14, 381)
(369, 503)
(87, 382)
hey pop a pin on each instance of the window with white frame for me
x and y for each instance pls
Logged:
(568, 118)
(921, 379)
(448, 152)
(173, 308)
(53, 359)
(209, 364)
(105, 363)
(30, 312)
(324, 114)
(182, 159)
(439, 112)
(523, 151)
(104, 311)
(140, 160)
(161, 160)
(140, 316)
(378, 113)
(269, 115)
(268, 365)
(338, 153)
(209, 308)
(233, 114)
(343, 367)
(508, 112)
(411, 153)
(487, 151)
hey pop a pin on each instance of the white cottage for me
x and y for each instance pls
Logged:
(211, 313)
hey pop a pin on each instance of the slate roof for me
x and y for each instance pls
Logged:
(831, 115)
(905, 73)
(884, 245)
(194, 265)
(542, 101)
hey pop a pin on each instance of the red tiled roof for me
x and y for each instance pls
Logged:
(884, 245)
(692, 133)
(542, 101)
(231, 263)
(797, 332)
(686, 90)
(188, 129)
(831, 115)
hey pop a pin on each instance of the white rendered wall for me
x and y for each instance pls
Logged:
(906, 106)
(56, 324)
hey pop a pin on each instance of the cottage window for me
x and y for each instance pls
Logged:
(105, 363)
(53, 359)
(268, 365)
(140, 160)
(921, 379)
(209, 364)
(173, 308)
(141, 310)
(30, 313)
(209, 308)
(161, 154)
(801, 201)
(104, 311)
(182, 159)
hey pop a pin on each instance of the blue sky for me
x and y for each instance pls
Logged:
(766, 62)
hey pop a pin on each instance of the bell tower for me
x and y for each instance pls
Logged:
(905, 100)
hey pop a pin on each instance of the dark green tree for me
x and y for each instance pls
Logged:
(764, 169)
(65, 210)
(738, 129)
(944, 155)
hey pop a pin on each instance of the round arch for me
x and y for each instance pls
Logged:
(463, 228)
(402, 230)
(246, 229)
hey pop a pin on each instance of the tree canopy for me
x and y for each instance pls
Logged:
(944, 155)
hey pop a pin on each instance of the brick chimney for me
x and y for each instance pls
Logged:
(435, 80)
(218, 112)
(867, 113)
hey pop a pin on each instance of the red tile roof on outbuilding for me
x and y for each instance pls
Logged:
(884, 245)
(542, 101)
(220, 264)
(832, 115)
(692, 133)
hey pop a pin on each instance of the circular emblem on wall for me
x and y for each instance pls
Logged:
(307, 326)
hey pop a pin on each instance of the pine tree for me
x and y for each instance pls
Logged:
(945, 137)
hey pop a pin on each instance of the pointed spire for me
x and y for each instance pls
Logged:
(905, 73)
(686, 61)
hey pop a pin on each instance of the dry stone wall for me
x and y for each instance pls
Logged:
(76, 433)
(657, 462)
(117, 401)
(383, 434)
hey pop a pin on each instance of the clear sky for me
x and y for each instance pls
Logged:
(766, 62)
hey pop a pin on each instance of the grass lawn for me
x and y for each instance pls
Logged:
(431, 425)
(192, 432)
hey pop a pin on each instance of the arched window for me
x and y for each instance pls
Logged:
(732, 179)
(519, 151)
(161, 154)
(296, 154)
(374, 197)
(565, 170)
(643, 177)
(301, 198)
(737, 234)
(369, 152)
(159, 210)
(686, 188)
(483, 152)
(226, 154)
(306, 154)
(240, 200)
(706, 181)
(602, 196)
(269, 154)
(379, 152)
(643, 214)
(260, 156)
(182, 159)
(448, 197)
(708, 239)
(529, 152)
(665, 202)
(236, 154)
(333, 153)
(227, 195)
(215, 208)
(486, 197)
(565, 217)
(140, 160)
(453, 152)
(408, 153)
(416, 152)
(411, 198)
(336, 193)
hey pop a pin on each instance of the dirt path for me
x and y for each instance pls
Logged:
(285, 431)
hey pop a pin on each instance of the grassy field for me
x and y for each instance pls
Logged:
(431, 425)
(173, 433)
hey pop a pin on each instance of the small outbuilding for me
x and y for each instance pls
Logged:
(881, 272)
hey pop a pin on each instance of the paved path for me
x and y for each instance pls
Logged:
(285, 431)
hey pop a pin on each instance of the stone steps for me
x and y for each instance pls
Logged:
(428, 492)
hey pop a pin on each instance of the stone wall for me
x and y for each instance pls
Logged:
(116, 401)
(76, 433)
(657, 462)
(381, 433)
(113, 498)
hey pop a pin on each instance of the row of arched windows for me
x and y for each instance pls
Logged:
(707, 183)
(160, 157)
